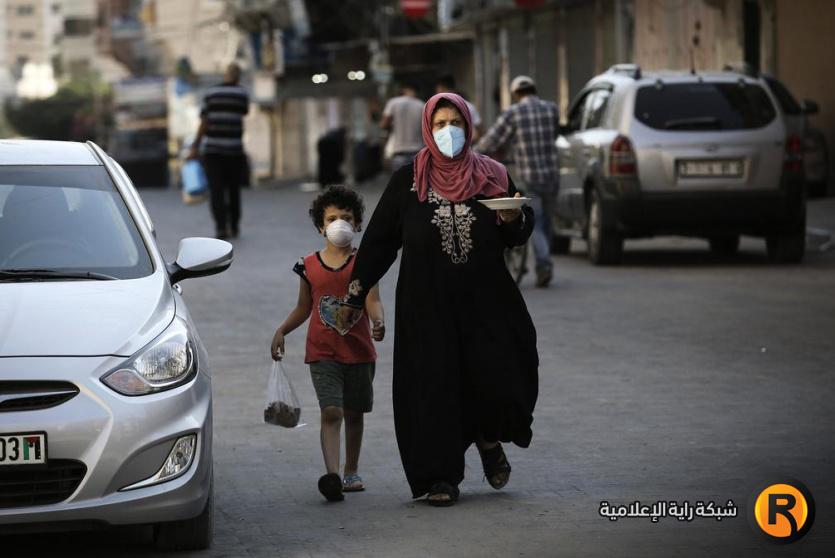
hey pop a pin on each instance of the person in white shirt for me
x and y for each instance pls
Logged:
(446, 84)
(402, 120)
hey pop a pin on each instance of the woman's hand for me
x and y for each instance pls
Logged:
(510, 215)
(378, 330)
(277, 348)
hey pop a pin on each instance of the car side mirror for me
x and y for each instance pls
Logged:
(200, 257)
(810, 107)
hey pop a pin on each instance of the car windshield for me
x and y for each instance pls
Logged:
(704, 106)
(67, 219)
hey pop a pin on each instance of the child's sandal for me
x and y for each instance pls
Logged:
(352, 483)
(331, 487)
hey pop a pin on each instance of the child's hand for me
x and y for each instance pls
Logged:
(378, 330)
(277, 349)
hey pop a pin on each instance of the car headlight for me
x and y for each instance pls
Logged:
(166, 362)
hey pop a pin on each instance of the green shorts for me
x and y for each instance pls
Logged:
(347, 386)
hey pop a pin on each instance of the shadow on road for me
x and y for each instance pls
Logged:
(703, 258)
(108, 541)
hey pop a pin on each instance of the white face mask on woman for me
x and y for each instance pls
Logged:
(340, 233)
(450, 140)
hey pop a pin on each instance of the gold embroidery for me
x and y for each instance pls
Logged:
(455, 222)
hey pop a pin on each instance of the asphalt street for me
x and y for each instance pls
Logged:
(676, 376)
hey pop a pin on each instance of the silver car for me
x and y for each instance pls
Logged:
(705, 155)
(105, 394)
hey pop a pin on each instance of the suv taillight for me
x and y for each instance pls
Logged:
(622, 163)
(793, 161)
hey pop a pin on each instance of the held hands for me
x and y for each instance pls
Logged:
(277, 348)
(193, 153)
(378, 330)
(510, 215)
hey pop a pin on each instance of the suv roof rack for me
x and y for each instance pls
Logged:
(632, 70)
(743, 68)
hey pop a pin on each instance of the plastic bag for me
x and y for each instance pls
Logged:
(194, 178)
(282, 405)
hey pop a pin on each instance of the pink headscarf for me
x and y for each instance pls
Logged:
(465, 175)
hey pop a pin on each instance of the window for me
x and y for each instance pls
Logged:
(75, 27)
(68, 218)
(25, 10)
(26, 35)
(595, 108)
(787, 101)
(704, 106)
(575, 116)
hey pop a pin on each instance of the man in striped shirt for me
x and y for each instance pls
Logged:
(219, 142)
(530, 127)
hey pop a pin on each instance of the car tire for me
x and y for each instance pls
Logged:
(786, 248)
(818, 188)
(189, 534)
(605, 245)
(788, 244)
(560, 245)
(724, 245)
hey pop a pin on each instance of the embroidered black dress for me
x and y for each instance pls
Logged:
(465, 359)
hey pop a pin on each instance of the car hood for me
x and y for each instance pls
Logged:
(83, 318)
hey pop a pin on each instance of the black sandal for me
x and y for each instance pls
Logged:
(495, 463)
(330, 486)
(440, 488)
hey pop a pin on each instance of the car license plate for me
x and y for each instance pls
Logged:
(22, 449)
(727, 168)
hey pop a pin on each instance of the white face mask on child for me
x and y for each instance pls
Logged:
(340, 233)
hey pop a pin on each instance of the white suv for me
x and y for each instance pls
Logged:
(705, 155)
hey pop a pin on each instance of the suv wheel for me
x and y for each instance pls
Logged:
(786, 248)
(789, 244)
(605, 245)
(724, 245)
(189, 534)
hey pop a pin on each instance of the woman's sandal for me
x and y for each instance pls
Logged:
(496, 466)
(352, 483)
(330, 486)
(442, 494)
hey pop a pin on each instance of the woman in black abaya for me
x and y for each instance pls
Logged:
(465, 358)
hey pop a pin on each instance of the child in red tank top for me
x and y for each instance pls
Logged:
(341, 366)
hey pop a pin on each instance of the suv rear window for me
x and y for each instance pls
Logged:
(787, 101)
(704, 106)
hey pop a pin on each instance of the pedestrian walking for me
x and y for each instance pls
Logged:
(446, 84)
(219, 142)
(342, 367)
(531, 127)
(465, 357)
(401, 118)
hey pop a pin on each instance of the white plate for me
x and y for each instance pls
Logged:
(505, 203)
(23, 449)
